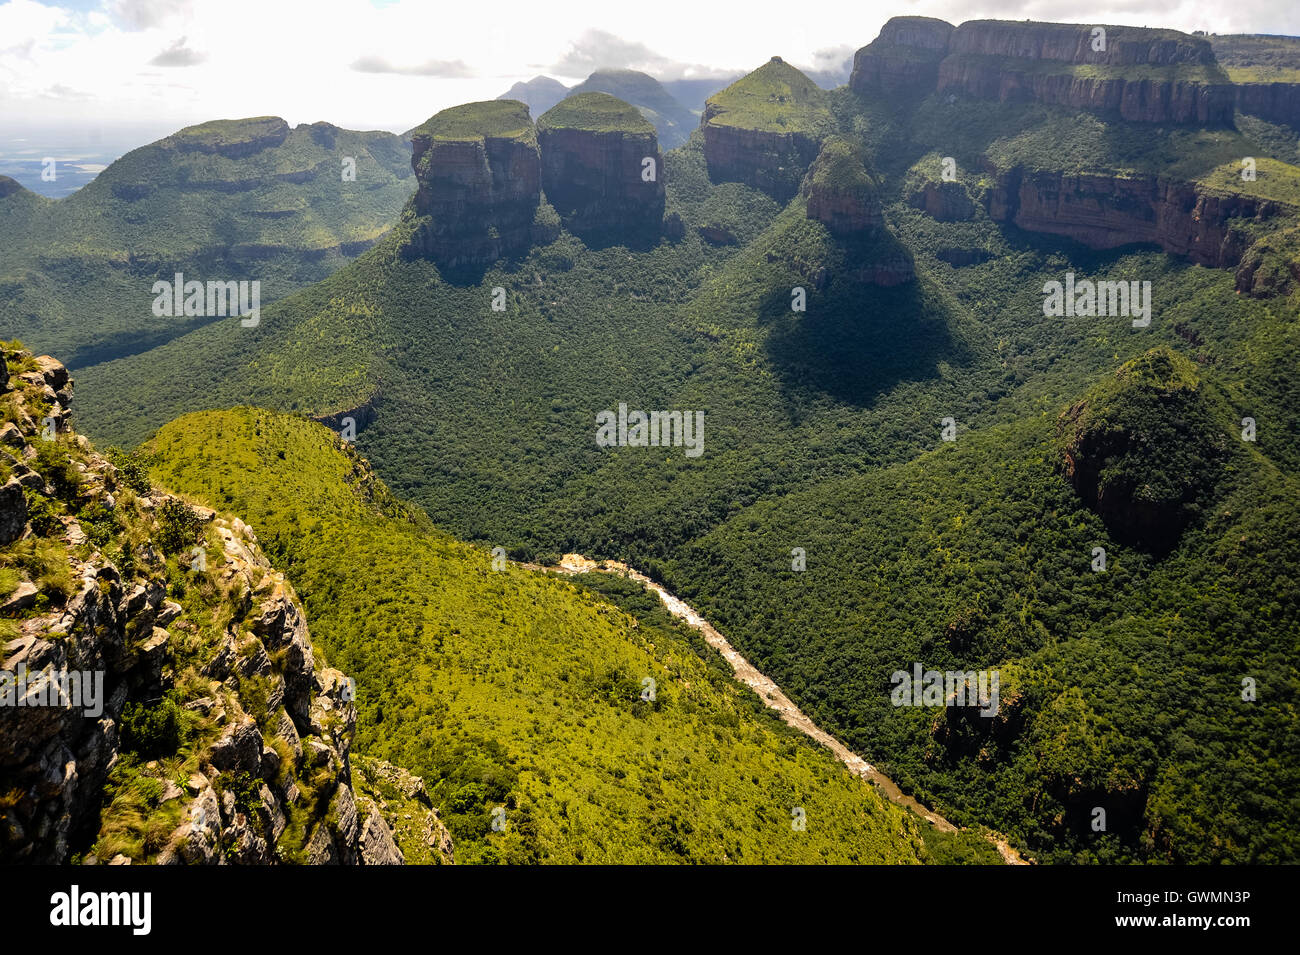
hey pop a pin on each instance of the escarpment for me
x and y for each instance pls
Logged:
(1106, 211)
(160, 697)
(904, 58)
(765, 129)
(1143, 75)
(601, 166)
(479, 174)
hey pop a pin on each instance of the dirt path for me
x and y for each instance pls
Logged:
(769, 692)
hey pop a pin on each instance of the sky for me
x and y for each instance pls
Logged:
(123, 69)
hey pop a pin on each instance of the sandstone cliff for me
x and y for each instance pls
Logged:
(216, 734)
(841, 192)
(1106, 211)
(1144, 75)
(479, 175)
(904, 58)
(765, 129)
(601, 166)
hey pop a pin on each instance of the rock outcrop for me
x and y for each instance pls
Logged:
(904, 58)
(766, 129)
(945, 201)
(1144, 75)
(1104, 212)
(1275, 102)
(840, 191)
(160, 697)
(601, 166)
(479, 175)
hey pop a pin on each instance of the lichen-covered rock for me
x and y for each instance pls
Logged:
(766, 129)
(479, 175)
(601, 166)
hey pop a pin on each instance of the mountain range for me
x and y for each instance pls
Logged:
(993, 348)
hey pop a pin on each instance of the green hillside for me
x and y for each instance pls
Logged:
(509, 688)
(777, 98)
(227, 200)
(823, 431)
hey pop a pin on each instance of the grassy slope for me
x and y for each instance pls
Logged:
(776, 97)
(509, 687)
(595, 112)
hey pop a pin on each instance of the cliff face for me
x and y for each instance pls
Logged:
(766, 129)
(904, 58)
(198, 724)
(1157, 76)
(479, 175)
(1275, 102)
(594, 152)
(1103, 212)
(840, 191)
(232, 138)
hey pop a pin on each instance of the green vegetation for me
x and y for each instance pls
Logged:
(594, 112)
(1122, 689)
(491, 119)
(775, 98)
(225, 201)
(509, 688)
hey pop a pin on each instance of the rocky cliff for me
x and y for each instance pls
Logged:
(840, 190)
(1275, 102)
(479, 175)
(1145, 75)
(904, 58)
(765, 129)
(1106, 211)
(160, 697)
(601, 166)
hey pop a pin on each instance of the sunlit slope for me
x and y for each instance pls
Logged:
(228, 200)
(509, 688)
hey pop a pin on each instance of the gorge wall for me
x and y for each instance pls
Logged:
(1144, 75)
(1104, 212)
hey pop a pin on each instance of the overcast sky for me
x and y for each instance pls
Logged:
(389, 64)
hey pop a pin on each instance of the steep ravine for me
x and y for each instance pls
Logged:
(770, 693)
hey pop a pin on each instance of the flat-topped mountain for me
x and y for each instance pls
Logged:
(765, 128)
(227, 200)
(1146, 75)
(841, 192)
(601, 165)
(904, 57)
(479, 175)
